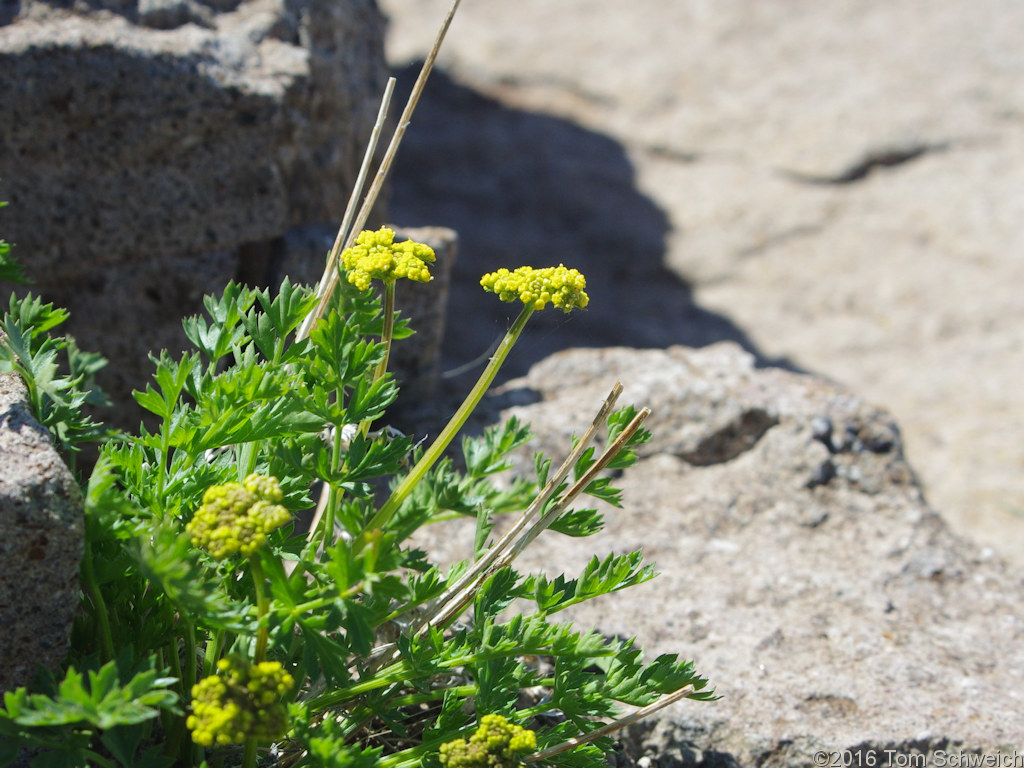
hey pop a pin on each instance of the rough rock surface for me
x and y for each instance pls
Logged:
(839, 186)
(41, 545)
(154, 150)
(800, 567)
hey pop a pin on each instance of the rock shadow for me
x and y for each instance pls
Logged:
(527, 188)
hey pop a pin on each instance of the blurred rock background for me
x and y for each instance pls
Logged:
(838, 187)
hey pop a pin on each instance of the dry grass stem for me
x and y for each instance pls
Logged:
(471, 576)
(344, 231)
(588, 477)
(330, 277)
(349, 226)
(622, 722)
(331, 273)
(449, 603)
(504, 558)
(454, 600)
(405, 119)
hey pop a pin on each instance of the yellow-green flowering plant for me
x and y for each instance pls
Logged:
(497, 743)
(240, 641)
(235, 518)
(214, 631)
(241, 702)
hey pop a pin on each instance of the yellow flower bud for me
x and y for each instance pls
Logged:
(564, 288)
(375, 256)
(235, 518)
(240, 702)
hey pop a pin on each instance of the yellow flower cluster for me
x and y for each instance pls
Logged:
(376, 256)
(497, 743)
(565, 288)
(242, 702)
(236, 517)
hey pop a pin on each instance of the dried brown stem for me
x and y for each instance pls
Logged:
(457, 604)
(327, 288)
(617, 725)
(330, 277)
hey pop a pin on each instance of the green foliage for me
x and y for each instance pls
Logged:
(377, 655)
(28, 348)
(110, 707)
(10, 269)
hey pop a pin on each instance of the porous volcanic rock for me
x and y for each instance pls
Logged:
(154, 150)
(800, 566)
(41, 542)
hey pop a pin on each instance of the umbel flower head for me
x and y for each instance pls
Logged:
(565, 288)
(497, 743)
(241, 702)
(236, 517)
(376, 256)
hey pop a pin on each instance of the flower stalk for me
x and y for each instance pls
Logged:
(451, 429)
(386, 337)
(535, 288)
(99, 605)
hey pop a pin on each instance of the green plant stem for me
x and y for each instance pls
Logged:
(165, 450)
(359, 716)
(388, 332)
(386, 337)
(262, 609)
(433, 453)
(407, 758)
(175, 733)
(262, 639)
(98, 603)
(410, 699)
(97, 759)
(249, 755)
(402, 671)
(188, 676)
(190, 657)
(212, 652)
(247, 455)
(323, 602)
(213, 643)
(325, 534)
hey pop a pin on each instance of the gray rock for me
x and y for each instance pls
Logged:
(799, 566)
(146, 167)
(840, 185)
(41, 540)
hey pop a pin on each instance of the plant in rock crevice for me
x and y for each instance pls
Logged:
(303, 651)
(214, 632)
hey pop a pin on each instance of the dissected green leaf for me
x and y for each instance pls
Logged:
(600, 577)
(103, 698)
